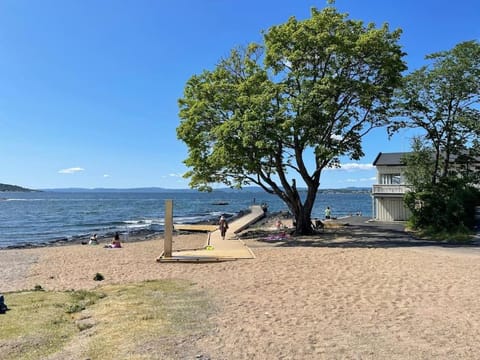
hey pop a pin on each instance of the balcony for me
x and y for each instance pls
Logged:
(389, 189)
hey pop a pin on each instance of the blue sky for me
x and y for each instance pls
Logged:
(89, 88)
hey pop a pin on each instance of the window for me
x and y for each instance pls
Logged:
(390, 179)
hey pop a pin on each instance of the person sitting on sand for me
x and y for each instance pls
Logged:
(93, 240)
(279, 224)
(115, 244)
(223, 226)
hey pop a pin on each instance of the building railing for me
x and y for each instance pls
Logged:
(389, 189)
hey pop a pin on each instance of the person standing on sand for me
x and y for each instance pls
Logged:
(223, 226)
(328, 213)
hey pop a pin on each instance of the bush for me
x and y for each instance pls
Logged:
(447, 206)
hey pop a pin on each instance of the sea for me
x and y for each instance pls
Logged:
(48, 217)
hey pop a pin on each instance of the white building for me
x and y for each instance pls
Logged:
(389, 189)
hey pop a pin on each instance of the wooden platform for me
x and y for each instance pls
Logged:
(190, 227)
(221, 250)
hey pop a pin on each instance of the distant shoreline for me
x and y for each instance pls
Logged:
(167, 190)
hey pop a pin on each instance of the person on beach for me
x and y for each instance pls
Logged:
(328, 213)
(93, 240)
(223, 226)
(279, 224)
(115, 244)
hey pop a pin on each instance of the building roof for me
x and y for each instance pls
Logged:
(389, 159)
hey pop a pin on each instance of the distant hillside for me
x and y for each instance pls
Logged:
(114, 190)
(217, 190)
(6, 187)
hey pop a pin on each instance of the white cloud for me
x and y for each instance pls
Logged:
(71, 170)
(370, 179)
(106, 176)
(337, 137)
(175, 175)
(353, 167)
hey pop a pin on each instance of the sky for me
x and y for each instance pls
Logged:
(89, 89)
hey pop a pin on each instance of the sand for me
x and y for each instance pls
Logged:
(303, 300)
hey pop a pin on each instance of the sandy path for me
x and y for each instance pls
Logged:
(298, 302)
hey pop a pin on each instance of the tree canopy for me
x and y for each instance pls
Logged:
(307, 95)
(443, 98)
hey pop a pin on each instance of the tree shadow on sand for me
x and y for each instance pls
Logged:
(357, 234)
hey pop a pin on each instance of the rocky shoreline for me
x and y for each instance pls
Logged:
(130, 236)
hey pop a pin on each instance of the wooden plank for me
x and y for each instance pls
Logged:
(193, 259)
(168, 227)
(196, 227)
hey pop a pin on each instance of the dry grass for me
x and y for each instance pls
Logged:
(136, 321)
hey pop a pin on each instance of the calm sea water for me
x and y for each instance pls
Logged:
(47, 217)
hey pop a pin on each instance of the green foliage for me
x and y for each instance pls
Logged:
(290, 107)
(74, 308)
(446, 206)
(79, 300)
(459, 235)
(443, 99)
(419, 165)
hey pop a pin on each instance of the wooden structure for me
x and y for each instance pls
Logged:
(217, 249)
(195, 227)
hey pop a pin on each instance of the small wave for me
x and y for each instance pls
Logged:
(15, 199)
(134, 222)
(195, 219)
(148, 224)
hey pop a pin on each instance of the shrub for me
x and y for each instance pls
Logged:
(98, 277)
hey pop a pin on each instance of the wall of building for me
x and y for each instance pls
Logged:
(390, 209)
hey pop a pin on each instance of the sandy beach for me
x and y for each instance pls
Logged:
(343, 294)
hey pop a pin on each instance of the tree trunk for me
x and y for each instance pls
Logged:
(303, 223)
(436, 164)
(302, 212)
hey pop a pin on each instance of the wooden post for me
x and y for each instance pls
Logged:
(168, 228)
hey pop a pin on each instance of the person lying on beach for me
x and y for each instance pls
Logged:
(115, 244)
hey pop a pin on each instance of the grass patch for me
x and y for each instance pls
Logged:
(458, 236)
(35, 326)
(135, 321)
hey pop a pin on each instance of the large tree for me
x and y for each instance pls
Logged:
(285, 110)
(443, 99)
